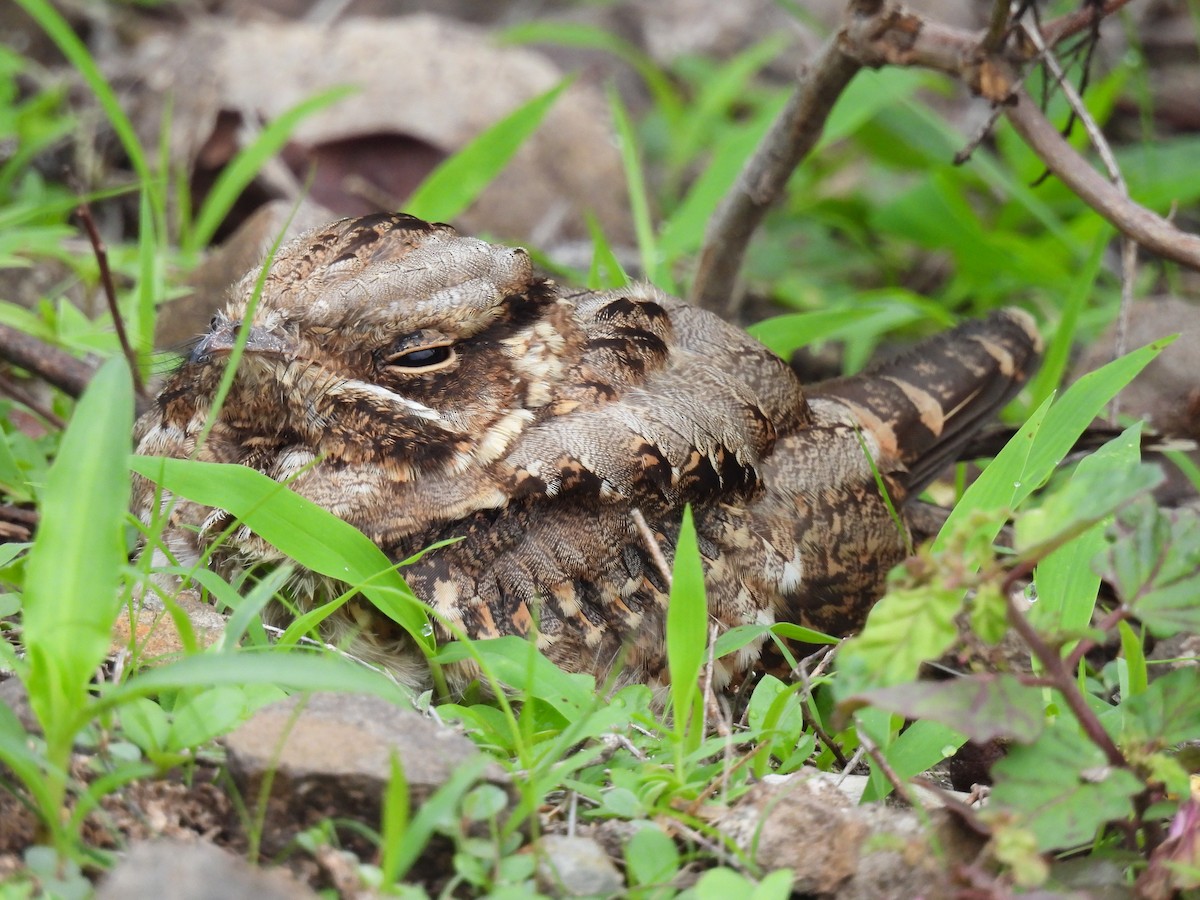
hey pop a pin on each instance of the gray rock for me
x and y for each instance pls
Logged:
(329, 756)
(576, 867)
(806, 822)
(15, 697)
(175, 870)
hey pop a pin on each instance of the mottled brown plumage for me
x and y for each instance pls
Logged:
(434, 388)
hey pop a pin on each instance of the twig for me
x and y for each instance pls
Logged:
(852, 764)
(655, 551)
(809, 717)
(110, 293)
(59, 368)
(1150, 230)
(1072, 23)
(1064, 683)
(885, 767)
(879, 33)
(792, 136)
(25, 399)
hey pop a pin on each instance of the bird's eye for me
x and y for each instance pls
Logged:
(422, 359)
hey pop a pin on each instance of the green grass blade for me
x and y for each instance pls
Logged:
(568, 34)
(1058, 353)
(243, 168)
(297, 527)
(687, 625)
(639, 201)
(1079, 405)
(453, 186)
(71, 586)
(1066, 584)
(1029, 459)
(295, 671)
(394, 822)
(606, 270)
(59, 31)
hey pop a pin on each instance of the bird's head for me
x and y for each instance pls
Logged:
(384, 341)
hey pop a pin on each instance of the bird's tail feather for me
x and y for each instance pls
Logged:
(925, 405)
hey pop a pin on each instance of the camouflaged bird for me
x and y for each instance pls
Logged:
(422, 386)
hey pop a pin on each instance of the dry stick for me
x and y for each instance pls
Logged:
(655, 551)
(1104, 151)
(59, 368)
(110, 293)
(42, 412)
(793, 134)
(879, 34)
(1150, 230)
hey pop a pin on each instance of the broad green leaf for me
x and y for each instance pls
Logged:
(71, 585)
(1166, 713)
(687, 623)
(297, 527)
(1073, 518)
(905, 628)
(1061, 788)
(453, 186)
(146, 724)
(917, 749)
(1153, 561)
(650, 857)
(200, 717)
(983, 707)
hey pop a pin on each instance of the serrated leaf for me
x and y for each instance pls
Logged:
(1166, 713)
(1153, 561)
(908, 626)
(1061, 788)
(983, 707)
(298, 528)
(1102, 483)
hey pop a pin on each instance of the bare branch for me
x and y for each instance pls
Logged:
(1152, 231)
(990, 63)
(59, 368)
(794, 133)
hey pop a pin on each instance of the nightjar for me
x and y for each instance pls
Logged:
(422, 386)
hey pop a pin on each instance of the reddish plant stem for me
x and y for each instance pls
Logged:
(110, 293)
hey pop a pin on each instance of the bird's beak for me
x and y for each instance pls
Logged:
(222, 339)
